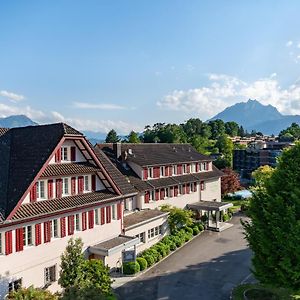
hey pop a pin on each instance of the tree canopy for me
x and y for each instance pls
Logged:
(261, 175)
(291, 133)
(274, 230)
(112, 137)
(230, 182)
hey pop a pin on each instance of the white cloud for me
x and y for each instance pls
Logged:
(11, 96)
(226, 90)
(104, 106)
(289, 43)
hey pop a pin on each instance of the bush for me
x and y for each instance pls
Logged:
(31, 293)
(178, 241)
(225, 217)
(189, 230)
(172, 246)
(142, 262)
(187, 237)
(131, 267)
(196, 230)
(149, 258)
(200, 226)
(162, 248)
(154, 253)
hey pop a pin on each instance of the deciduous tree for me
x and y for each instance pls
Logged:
(230, 182)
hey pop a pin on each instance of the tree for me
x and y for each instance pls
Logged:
(217, 128)
(273, 233)
(178, 217)
(133, 138)
(225, 146)
(231, 128)
(262, 174)
(72, 261)
(292, 131)
(91, 293)
(230, 182)
(112, 137)
(31, 293)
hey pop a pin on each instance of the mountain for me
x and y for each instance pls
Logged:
(16, 121)
(253, 115)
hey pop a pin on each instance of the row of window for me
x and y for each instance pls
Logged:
(153, 232)
(165, 171)
(173, 191)
(46, 189)
(57, 228)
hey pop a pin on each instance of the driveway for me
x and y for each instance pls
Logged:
(206, 268)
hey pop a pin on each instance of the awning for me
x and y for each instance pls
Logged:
(114, 245)
(210, 205)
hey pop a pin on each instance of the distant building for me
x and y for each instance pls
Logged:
(258, 153)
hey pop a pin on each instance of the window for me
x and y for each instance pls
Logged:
(50, 275)
(184, 169)
(202, 186)
(77, 222)
(150, 172)
(174, 171)
(141, 236)
(152, 195)
(66, 186)
(64, 153)
(40, 190)
(1, 250)
(27, 235)
(180, 189)
(126, 204)
(86, 182)
(167, 193)
(154, 231)
(162, 171)
(96, 216)
(54, 228)
(114, 211)
(14, 285)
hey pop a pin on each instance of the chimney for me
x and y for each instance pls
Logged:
(117, 147)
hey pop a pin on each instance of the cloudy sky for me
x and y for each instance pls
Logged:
(125, 64)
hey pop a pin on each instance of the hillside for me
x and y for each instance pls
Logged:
(16, 121)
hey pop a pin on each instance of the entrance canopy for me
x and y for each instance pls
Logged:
(210, 205)
(114, 245)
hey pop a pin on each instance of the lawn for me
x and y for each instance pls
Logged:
(259, 292)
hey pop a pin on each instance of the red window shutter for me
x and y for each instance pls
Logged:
(166, 170)
(147, 197)
(19, 239)
(188, 168)
(179, 169)
(195, 186)
(119, 211)
(102, 215)
(50, 189)
(108, 214)
(70, 225)
(170, 171)
(73, 186)
(145, 174)
(83, 221)
(157, 171)
(47, 233)
(38, 237)
(58, 187)
(156, 195)
(62, 227)
(8, 242)
(80, 185)
(58, 156)
(162, 194)
(33, 194)
(197, 167)
(93, 183)
(73, 153)
(91, 219)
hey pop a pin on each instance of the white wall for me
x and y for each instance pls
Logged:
(212, 190)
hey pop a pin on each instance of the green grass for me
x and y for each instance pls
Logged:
(236, 203)
(259, 292)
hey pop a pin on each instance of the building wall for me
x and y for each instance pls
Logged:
(212, 190)
(30, 263)
(144, 228)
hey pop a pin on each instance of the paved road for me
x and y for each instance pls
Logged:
(207, 268)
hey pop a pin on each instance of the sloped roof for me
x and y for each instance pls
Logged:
(149, 154)
(23, 152)
(3, 130)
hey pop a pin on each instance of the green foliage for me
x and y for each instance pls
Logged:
(232, 128)
(188, 229)
(200, 226)
(149, 258)
(179, 218)
(95, 274)
(31, 293)
(142, 262)
(131, 267)
(225, 217)
(133, 138)
(262, 175)
(291, 133)
(112, 137)
(274, 231)
(72, 261)
(225, 146)
(196, 230)
(83, 293)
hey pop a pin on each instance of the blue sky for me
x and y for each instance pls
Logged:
(125, 64)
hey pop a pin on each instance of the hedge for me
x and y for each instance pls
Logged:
(131, 267)
(196, 230)
(142, 262)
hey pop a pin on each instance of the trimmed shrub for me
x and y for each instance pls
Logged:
(225, 217)
(131, 267)
(200, 226)
(188, 230)
(172, 246)
(178, 241)
(187, 237)
(150, 259)
(142, 262)
(196, 230)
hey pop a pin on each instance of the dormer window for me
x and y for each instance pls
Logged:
(86, 183)
(66, 186)
(150, 172)
(40, 190)
(162, 171)
(174, 169)
(65, 153)
(184, 168)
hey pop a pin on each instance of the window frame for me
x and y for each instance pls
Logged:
(162, 171)
(27, 239)
(184, 168)
(14, 285)
(77, 222)
(65, 153)
(174, 169)
(142, 237)
(150, 172)
(54, 229)
(64, 185)
(96, 216)
(86, 183)
(39, 189)
(48, 272)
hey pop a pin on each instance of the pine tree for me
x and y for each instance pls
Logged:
(72, 261)
(274, 230)
(112, 137)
